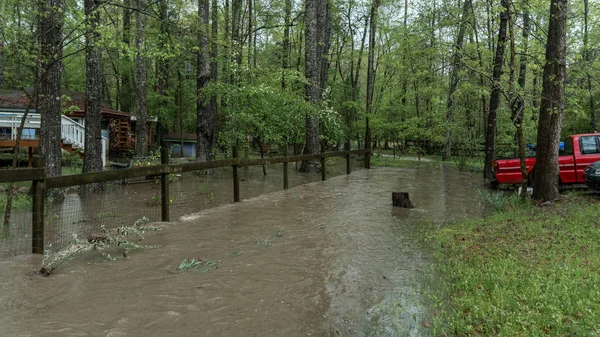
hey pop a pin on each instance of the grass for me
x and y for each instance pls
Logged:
(524, 271)
(433, 162)
(398, 162)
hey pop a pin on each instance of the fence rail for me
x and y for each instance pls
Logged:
(40, 183)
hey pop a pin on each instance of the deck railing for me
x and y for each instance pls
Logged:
(72, 132)
(40, 183)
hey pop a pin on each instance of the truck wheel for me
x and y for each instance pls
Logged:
(530, 179)
(561, 186)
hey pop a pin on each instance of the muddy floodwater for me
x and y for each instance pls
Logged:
(321, 259)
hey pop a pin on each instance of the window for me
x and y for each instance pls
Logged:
(589, 145)
(568, 148)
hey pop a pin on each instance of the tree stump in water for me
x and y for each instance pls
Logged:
(400, 199)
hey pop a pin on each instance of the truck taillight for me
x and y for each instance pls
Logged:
(495, 167)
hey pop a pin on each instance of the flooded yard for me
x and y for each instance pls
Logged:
(321, 259)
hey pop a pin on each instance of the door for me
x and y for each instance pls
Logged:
(590, 152)
(566, 163)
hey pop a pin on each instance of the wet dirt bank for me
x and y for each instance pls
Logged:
(322, 259)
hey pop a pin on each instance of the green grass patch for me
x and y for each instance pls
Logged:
(398, 162)
(525, 271)
(466, 164)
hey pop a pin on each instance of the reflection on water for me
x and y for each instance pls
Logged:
(322, 259)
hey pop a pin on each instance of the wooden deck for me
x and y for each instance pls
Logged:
(24, 142)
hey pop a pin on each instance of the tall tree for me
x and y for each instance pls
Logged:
(455, 73)
(371, 71)
(285, 54)
(125, 93)
(141, 70)
(236, 31)
(214, 69)
(163, 61)
(552, 107)
(316, 50)
(1, 54)
(163, 66)
(524, 50)
(50, 26)
(516, 102)
(587, 57)
(490, 135)
(205, 118)
(92, 161)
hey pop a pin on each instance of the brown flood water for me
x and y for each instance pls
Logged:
(321, 259)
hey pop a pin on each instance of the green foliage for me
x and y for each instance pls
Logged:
(521, 272)
(107, 238)
(500, 200)
(71, 159)
(269, 114)
(197, 263)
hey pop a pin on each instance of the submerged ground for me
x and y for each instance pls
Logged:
(322, 259)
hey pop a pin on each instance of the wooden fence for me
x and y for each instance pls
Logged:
(40, 183)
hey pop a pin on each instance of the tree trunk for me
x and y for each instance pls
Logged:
(370, 75)
(11, 187)
(126, 89)
(1, 57)
(205, 119)
(454, 76)
(490, 136)
(313, 71)
(141, 107)
(518, 116)
(18, 61)
(227, 37)
(545, 181)
(92, 161)
(50, 74)
(517, 104)
(236, 32)
(214, 75)
(286, 42)
(250, 19)
(587, 57)
(324, 44)
(525, 50)
(163, 62)
(163, 68)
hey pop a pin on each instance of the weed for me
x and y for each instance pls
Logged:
(154, 201)
(210, 199)
(499, 200)
(117, 237)
(262, 242)
(197, 263)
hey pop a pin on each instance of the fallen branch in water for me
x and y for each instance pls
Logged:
(117, 237)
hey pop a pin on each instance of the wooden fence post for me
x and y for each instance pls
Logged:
(323, 168)
(164, 185)
(37, 226)
(285, 168)
(236, 176)
(348, 168)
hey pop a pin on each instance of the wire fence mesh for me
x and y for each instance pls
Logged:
(82, 212)
(15, 227)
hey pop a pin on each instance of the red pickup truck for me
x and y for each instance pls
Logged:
(579, 151)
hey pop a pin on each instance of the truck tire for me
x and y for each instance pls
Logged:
(530, 178)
